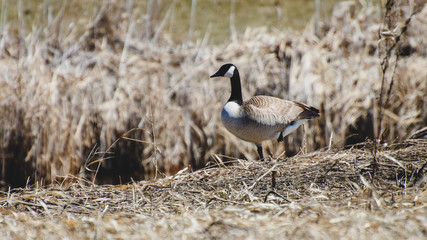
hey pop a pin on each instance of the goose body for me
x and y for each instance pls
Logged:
(260, 118)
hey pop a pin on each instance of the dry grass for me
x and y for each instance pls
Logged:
(66, 98)
(322, 195)
(145, 108)
(149, 14)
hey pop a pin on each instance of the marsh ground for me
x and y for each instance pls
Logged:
(115, 84)
(328, 194)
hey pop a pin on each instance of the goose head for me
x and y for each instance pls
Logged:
(230, 71)
(226, 70)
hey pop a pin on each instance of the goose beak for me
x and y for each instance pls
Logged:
(215, 75)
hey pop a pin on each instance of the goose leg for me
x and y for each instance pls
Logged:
(259, 150)
(280, 138)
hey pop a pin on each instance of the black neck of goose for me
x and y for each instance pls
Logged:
(236, 88)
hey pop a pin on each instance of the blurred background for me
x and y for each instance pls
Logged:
(183, 20)
(116, 91)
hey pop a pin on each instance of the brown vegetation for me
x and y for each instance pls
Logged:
(321, 195)
(67, 98)
(126, 99)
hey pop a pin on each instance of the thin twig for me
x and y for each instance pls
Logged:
(262, 176)
(275, 193)
(386, 35)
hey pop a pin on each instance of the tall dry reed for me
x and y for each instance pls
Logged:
(66, 98)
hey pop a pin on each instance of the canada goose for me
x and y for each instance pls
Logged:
(261, 117)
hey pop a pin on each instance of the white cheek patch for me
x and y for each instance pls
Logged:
(230, 72)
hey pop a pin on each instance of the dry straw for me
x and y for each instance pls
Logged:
(67, 98)
(321, 195)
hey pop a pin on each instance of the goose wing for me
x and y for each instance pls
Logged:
(275, 111)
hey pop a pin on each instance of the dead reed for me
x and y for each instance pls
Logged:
(321, 195)
(65, 98)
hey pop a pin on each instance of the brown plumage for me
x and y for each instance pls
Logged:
(265, 107)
